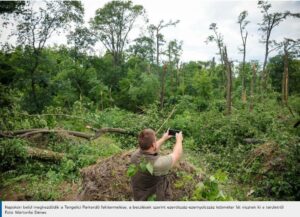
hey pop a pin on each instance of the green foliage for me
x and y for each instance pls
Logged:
(46, 188)
(275, 66)
(67, 166)
(143, 48)
(143, 166)
(294, 102)
(149, 168)
(210, 190)
(71, 88)
(12, 153)
(113, 22)
(138, 89)
(43, 179)
(132, 170)
(183, 181)
(274, 172)
(152, 197)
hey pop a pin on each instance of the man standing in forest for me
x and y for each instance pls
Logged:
(155, 184)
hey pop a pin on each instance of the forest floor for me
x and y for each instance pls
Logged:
(67, 191)
(106, 181)
(98, 169)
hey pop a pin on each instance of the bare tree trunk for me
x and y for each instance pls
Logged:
(244, 95)
(223, 62)
(285, 78)
(172, 80)
(252, 87)
(182, 81)
(170, 69)
(162, 91)
(264, 72)
(33, 80)
(243, 23)
(229, 82)
(157, 47)
(177, 75)
(283, 84)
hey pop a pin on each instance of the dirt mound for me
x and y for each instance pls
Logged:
(107, 180)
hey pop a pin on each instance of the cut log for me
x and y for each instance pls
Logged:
(44, 154)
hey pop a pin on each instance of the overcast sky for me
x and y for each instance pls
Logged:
(195, 17)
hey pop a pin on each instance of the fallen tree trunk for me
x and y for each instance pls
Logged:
(72, 133)
(29, 132)
(17, 132)
(43, 154)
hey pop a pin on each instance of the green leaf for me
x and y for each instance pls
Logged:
(221, 176)
(152, 197)
(212, 178)
(143, 166)
(149, 168)
(132, 169)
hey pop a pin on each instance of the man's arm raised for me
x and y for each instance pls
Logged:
(164, 138)
(177, 150)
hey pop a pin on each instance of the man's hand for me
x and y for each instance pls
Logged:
(179, 137)
(177, 150)
(164, 138)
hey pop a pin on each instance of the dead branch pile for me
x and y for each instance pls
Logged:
(107, 180)
(269, 155)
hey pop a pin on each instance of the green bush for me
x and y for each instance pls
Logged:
(210, 190)
(12, 153)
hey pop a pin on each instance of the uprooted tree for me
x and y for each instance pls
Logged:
(45, 154)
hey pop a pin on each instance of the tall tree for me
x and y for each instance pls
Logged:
(82, 40)
(276, 67)
(113, 23)
(163, 85)
(229, 81)
(252, 87)
(290, 48)
(144, 48)
(174, 51)
(244, 34)
(160, 41)
(159, 37)
(269, 22)
(217, 38)
(37, 26)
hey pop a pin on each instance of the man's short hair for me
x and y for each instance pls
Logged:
(146, 139)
